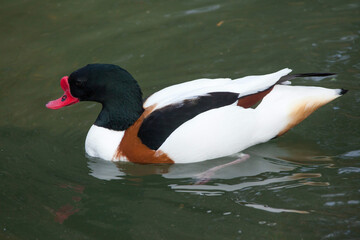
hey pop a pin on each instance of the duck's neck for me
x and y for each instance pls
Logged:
(119, 115)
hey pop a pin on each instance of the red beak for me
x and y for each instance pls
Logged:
(66, 100)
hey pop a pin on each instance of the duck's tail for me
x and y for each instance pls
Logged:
(296, 75)
(286, 106)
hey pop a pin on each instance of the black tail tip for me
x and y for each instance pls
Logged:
(343, 91)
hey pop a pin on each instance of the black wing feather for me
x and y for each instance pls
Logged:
(157, 127)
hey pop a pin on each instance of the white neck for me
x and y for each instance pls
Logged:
(102, 142)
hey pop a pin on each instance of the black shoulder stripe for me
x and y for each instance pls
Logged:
(156, 128)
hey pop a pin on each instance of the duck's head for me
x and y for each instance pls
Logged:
(107, 84)
(96, 82)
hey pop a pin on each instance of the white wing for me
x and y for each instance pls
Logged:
(188, 90)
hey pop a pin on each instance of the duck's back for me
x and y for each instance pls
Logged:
(205, 118)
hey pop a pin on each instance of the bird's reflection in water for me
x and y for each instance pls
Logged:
(264, 158)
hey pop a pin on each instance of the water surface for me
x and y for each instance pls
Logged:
(304, 185)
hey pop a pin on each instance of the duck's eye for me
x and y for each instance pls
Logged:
(80, 82)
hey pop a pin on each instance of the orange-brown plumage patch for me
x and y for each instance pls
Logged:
(134, 150)
(252, 99)
(302, 111)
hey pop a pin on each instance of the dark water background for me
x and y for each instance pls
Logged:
(304, 185)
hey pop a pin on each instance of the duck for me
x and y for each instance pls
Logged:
(188, 122)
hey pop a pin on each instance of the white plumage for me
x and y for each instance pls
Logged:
(244, 86)
(230, 129)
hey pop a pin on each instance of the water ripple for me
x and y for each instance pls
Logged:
(202, 10)
(351, 154)
(195, 11)
(347, 170)
(274, 210)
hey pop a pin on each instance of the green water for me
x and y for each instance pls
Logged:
(304, 185)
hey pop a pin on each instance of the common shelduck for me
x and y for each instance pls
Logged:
(188, 122)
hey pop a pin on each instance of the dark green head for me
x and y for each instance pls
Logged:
(109, 85)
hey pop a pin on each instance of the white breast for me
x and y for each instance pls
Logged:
(102, 142)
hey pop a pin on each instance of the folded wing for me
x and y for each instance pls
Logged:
(177, 104)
